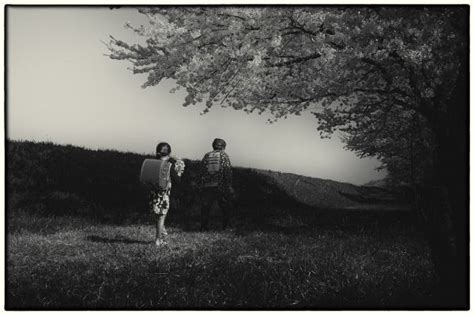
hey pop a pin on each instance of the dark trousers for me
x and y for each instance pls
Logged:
(210, 195)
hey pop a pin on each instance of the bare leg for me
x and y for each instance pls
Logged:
(160, 226)
(163, 231)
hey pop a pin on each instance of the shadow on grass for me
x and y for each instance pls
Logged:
(122, 240)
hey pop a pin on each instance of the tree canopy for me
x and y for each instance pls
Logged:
(382, 76)
(391, 80)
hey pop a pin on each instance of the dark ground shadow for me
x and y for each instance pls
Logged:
(123, 240)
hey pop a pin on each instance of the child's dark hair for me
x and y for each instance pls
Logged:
(218, 144)
(161, 145)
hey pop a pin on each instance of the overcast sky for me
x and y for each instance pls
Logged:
(61, 88)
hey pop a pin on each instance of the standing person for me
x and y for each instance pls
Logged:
(215, 183)
(170, 171)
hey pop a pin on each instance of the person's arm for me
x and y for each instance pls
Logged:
(227, 171)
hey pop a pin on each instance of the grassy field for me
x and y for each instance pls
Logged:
(291, 262)
(79, 237)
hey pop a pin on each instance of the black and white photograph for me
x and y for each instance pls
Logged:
(232, 156)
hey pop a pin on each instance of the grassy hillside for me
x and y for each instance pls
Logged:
(324, 193)
(57, 179)
(79, 235)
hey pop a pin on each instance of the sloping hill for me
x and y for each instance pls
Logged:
(327, 193)
(45, 177)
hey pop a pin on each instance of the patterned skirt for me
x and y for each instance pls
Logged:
(160, 201)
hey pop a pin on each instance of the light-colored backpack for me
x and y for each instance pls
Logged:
(214, 162)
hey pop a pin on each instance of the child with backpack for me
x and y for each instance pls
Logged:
(165, 170)
(216, 183)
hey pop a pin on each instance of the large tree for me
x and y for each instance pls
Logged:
(391, 80)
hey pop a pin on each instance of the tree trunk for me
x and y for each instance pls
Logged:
(446, 198)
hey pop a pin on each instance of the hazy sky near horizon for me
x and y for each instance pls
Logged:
(61, 88)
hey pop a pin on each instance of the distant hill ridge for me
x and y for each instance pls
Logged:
(328, 193)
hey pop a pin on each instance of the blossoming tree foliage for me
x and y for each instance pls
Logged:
(390, 80)
(361, 71)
